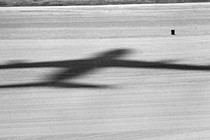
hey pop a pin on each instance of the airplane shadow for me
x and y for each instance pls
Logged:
(77, 68)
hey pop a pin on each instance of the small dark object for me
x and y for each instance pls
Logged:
(172, 32)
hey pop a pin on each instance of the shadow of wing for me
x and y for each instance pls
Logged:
(159, 65)
(77, 85)
(21, 65)
(41, 84)
(55, 85)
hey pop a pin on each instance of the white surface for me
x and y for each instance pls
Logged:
(144, 103)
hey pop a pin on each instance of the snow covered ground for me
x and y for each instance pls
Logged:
(155, 85)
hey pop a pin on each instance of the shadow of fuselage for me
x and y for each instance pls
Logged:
(75, 68)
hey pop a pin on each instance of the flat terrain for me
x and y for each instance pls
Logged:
(105, 72)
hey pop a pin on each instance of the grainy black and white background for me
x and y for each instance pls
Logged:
(105, 72)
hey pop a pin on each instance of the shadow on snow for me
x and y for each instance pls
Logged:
(75, 68)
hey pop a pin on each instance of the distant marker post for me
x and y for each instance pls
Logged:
(173, 32)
